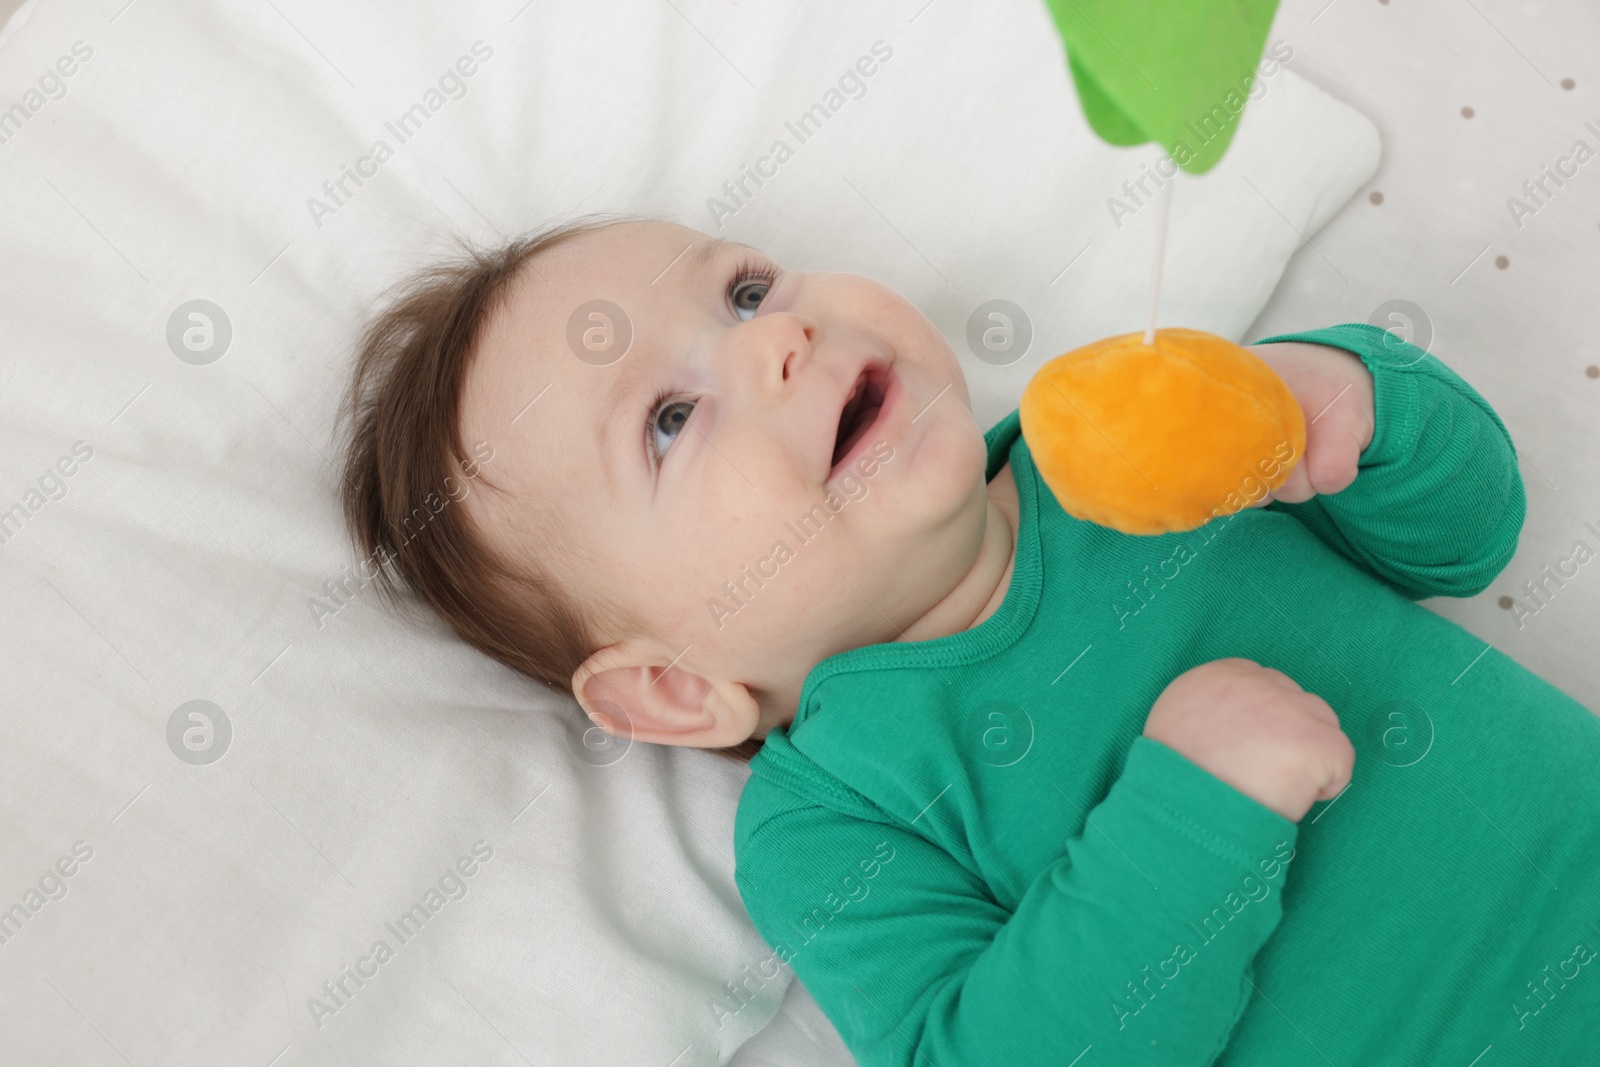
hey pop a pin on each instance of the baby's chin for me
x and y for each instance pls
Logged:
(947, 459)
(934, 511)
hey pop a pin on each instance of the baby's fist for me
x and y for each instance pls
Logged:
(1336, 394)
(1257, 730)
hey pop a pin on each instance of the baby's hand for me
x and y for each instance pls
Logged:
(1255, 729)
(1335, 391)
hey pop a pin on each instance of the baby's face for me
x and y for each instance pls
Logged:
(770, 474)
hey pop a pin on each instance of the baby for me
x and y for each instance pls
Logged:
(1025, 790)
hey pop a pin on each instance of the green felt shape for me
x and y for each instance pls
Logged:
(1178, 72)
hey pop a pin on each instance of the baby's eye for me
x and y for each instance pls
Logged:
(749, 287)
(666, 420)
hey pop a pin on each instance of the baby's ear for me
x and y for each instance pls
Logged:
(633, 691)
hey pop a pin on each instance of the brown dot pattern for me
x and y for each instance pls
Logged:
(1592, 371)
(1466, 112)
(1505, 602)
(1567, 83)
(1376, 197)
(1502, 262)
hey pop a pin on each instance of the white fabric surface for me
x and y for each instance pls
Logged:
(370, 754)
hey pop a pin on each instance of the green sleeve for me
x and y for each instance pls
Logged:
(1438, 501)
(1137, 940)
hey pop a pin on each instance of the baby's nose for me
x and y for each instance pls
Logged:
(781, 346)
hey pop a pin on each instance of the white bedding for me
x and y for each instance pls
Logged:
(370, 755)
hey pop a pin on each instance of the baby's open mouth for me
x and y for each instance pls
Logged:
(860, 410)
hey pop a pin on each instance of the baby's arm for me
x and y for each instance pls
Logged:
(1115, 945)
(1438, 502)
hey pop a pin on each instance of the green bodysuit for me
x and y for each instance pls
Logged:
(969, 854)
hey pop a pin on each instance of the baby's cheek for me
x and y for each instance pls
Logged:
(721, 582)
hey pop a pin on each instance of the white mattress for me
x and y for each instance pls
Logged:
(370, 754)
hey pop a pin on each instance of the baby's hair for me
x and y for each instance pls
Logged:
(405, 466)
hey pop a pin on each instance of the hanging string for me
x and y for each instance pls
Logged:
(1165, 193)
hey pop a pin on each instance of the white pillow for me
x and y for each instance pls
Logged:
(374, 764)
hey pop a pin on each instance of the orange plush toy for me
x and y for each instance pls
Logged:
(1161, 431)
(1163, 437)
